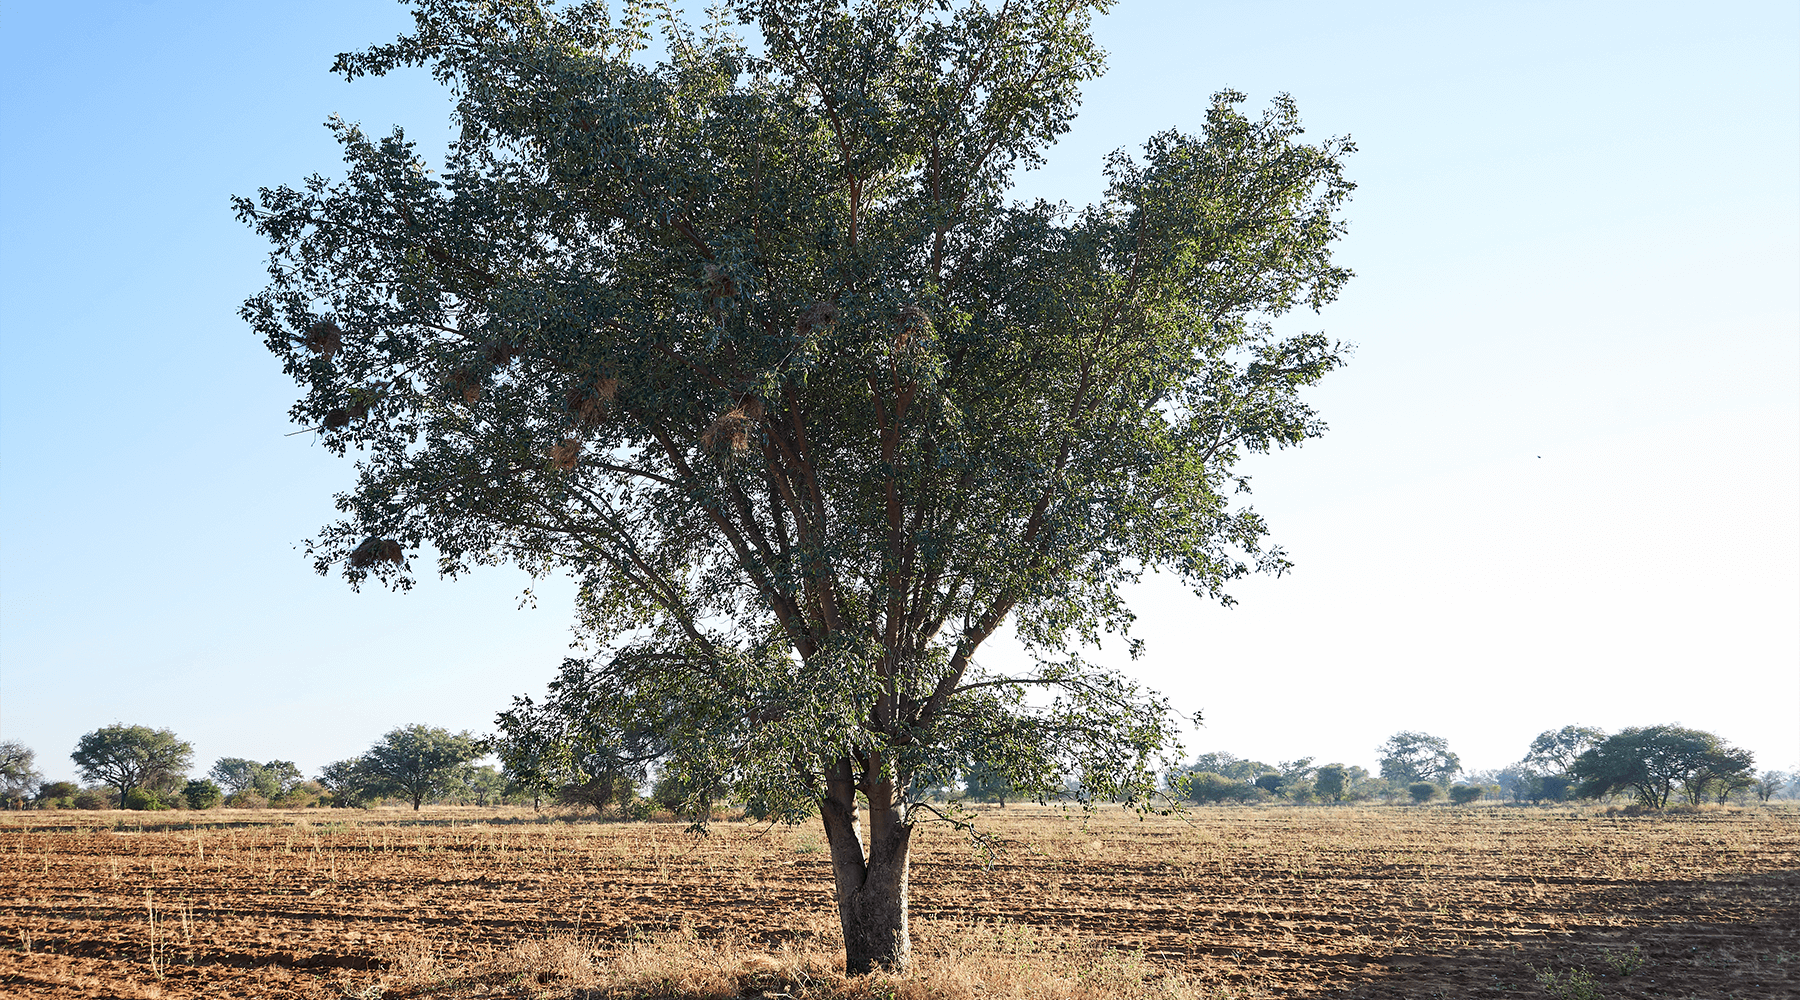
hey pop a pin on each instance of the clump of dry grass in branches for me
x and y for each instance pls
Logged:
(324, 338)
(587, 401)
(732, 428)
(565, 454)
(374, 550)
(961, 962)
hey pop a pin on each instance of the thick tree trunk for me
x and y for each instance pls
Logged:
(872, 890)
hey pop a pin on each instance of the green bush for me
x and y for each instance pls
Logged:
(1462, 795)
(144, 798)
(1209, 787)
(203, 794)
(57, 795)
(305, 795)
(1423, 791)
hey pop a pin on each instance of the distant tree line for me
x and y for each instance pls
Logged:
(1652, 765)
(547, 753)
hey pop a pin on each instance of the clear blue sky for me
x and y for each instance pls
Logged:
(1562, 483)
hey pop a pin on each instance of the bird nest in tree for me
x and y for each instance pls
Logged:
(466, 383)
(500, 353)
(731, 430)
(912, 321)
(374, 550)
(324, 338)
(817, 316)
(587, 401)
(565, 454)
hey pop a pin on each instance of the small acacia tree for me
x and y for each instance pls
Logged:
(751, 342)
(131, 757)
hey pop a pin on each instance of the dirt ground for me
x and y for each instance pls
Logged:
(1233, 902)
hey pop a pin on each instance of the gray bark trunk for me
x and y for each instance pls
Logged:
(872, 891)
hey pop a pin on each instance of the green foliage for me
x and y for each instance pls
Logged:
(300, 795)
(1769, 784)
(600, 790)
(1554, 751)
(262, 782)
(202, 793)
(488, 785)
(985, 783)
(414, 762)
(1462, 795)
(1423, 791)
(144, 798)
(1330, 783)
(96, 798)
(1651, 761)
(1230, 765)
(752, 342)
(1625, 961)
(1554, 787)
(129, 757)
(1570, 984)
(1271, 783)
(57, 795)
(1409, 757)
(571, 745)
(19, 775)
(348, 783)
(1205, 786)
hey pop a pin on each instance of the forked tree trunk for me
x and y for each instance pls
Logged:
(872, 885)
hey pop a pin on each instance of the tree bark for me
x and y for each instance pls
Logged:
(872, 891)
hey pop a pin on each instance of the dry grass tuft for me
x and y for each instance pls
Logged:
(565, 454)
(961, 962)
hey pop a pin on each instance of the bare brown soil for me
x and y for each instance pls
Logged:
(1218, 902)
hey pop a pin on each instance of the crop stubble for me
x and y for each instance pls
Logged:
(1245, 902)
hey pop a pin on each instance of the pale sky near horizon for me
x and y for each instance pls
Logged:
(1562, 483)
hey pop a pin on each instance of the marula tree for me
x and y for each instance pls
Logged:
(749, 339)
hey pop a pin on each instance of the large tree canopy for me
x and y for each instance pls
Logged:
(748, 338)
(128, 757)
(1651, 760)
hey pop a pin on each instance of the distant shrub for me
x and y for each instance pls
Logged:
(144, 798)
(1209, 787)
(95, 798)
(202, 793)
(305, 795)
(246, 800)
(1269, 782)
(57, 795)
(1462, 795)
(1330, 783)
(1423, 791)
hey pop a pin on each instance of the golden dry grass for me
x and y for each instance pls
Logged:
(1220, 902)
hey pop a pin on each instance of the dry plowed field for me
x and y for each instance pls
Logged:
(1218, 902)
